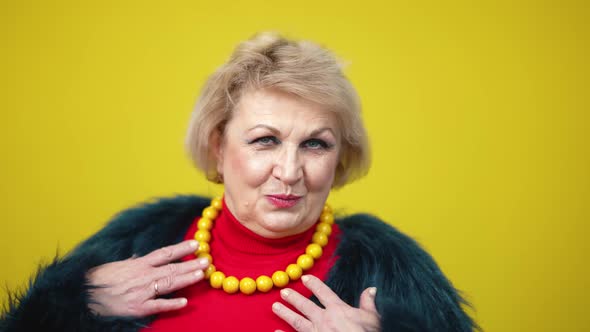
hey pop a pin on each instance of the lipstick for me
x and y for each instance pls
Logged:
(283, 201)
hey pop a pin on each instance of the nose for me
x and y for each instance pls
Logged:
(288, 166)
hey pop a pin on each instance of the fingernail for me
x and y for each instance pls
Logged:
(183, 301)
(276, 307)
(285, 292)
(204, 261)
(199, 273)
(193, 243)
(373, 291)
(305, 278)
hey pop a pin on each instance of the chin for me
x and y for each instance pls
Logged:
(284, 227)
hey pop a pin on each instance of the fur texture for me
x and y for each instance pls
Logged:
(412, 293)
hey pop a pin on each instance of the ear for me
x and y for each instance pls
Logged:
(216, 149)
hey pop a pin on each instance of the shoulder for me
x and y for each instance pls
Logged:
(369, 229)
(410, 284)
(57, 297)
(148, 225)
(365, 235)
(378, 252)
(158, 214)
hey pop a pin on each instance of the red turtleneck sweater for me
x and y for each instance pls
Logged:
(239, 252)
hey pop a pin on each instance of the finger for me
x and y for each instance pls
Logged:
(367, 300)
(320, 290)
(170, 284)
(178, 268)
(298, 322)
(369, 316)
(169, 271)
(301, 303)
(155, 306)
(170, 253)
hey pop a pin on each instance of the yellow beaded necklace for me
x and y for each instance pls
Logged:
(263, 283)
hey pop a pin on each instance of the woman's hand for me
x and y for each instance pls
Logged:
(337, 315)
(131, 287)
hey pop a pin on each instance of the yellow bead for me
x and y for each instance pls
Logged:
(280, 278)
(305, 261)
(216, 279)
(247, 286)
(328, 218)
(314, 250)
(203, 247)
(202, 235)
(205, 223)
(327, 208)
(231, 284)
(320, 238)
(209, 271)
(210, 212)
(294, 271)
(206, 255)
(324, 228)
(216, 203)
(264, 283)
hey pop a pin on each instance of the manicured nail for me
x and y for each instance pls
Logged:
(199, 273)
(276, 307)
(373, 291)
(305, 278)
(183, 301)
(203, 261)
(193, 244)
(285, 292)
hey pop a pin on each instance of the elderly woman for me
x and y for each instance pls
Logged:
(279, 125)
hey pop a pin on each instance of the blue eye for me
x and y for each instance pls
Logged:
(315, 144)
(265, 141)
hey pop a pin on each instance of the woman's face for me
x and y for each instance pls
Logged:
(278, 158)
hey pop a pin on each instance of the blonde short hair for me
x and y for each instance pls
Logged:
(301, 68)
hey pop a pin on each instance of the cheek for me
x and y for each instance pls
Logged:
(321, 174)
(251, 168)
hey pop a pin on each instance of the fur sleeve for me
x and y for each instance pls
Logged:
(412, 293)
(57, 297)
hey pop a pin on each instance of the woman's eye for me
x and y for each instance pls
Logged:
(266, 140)
(315, 144)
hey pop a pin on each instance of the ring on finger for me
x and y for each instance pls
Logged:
(157, 293)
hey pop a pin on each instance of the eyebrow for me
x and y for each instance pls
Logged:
(275, 131)
(320, 130)
(271, 128)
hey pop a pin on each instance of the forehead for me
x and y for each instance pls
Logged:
(277, 107)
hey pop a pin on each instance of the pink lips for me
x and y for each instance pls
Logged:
(283, 201)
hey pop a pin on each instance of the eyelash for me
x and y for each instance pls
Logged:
(265, 141)
(272, 140)
(322, 144)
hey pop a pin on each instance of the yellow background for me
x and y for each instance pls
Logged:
(477, 111)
